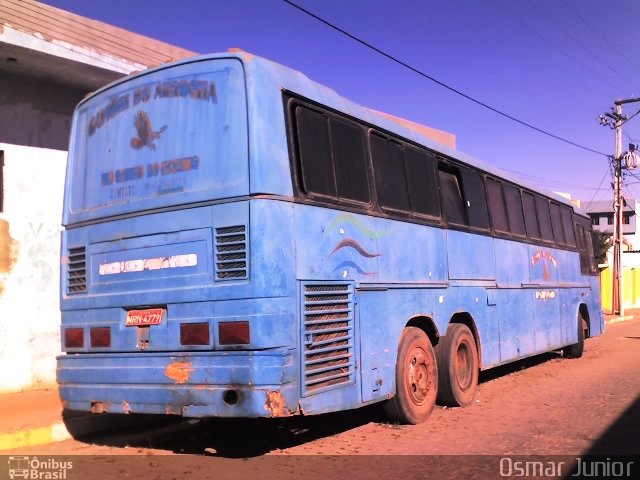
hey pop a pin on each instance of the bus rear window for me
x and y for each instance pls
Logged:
(170, 136)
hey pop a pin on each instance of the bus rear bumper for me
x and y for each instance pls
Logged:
(203, 384)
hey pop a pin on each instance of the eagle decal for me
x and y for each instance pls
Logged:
(146, 136)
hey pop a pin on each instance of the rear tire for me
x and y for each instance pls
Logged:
(457, 358)
(577, 349)
(416, 379)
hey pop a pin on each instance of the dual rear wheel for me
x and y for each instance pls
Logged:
(447, 374)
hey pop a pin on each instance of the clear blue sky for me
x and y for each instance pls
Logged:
(556, 64)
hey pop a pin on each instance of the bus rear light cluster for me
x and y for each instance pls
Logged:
(195, 334)
(234, 333)
(100, 337)
(74, 338)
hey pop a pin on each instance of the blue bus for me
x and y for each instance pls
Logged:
(240, 241)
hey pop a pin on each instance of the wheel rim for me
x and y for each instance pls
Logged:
(418, 376)
(463, 366)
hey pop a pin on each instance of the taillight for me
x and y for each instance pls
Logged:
(100, 336)
(234, 333)
(74, 338)
(194, 334)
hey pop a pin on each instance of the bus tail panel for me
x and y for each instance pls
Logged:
(229, 384)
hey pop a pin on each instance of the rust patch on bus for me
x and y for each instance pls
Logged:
(275, 405)
(179, 371)
(9, 249)
(172, 410)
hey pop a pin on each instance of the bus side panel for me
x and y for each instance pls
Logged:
(516, 323)
(333, 245)
(471, 257)
(383, 315)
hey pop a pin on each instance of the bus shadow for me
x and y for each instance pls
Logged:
(243, 438)
(617, 449)
(517, 366)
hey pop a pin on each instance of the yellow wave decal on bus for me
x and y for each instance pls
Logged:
(352, 220)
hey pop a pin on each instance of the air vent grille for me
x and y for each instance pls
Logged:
(77, 271)
(231, 253)
(327, 337)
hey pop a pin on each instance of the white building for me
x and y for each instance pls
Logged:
(601, 214)
(49, 60)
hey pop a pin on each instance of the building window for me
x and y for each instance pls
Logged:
(626, 218)
(595, 220)
(609, 219)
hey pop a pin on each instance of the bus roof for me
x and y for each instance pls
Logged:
(264, 74)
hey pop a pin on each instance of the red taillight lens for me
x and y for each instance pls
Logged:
(100, 337)
(234, 333)
(194, 334)
(74, 338)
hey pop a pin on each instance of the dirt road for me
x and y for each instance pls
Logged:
(544, 406)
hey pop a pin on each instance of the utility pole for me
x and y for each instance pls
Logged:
(616, 119)
(618, 208)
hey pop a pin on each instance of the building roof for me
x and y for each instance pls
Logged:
(606, 206)
(87, 53)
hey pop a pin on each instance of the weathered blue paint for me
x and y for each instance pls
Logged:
(165, 165)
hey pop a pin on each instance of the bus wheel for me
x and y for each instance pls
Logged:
(416, 379)
(457, 357)
(577, 349)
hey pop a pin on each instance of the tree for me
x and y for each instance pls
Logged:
(602, 242)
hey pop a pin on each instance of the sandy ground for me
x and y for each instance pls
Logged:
(545, 406)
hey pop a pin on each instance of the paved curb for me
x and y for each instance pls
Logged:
(618, 319)
(88, 426)
(34, 437)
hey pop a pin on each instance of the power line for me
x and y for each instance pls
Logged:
(550, 181)
(581, 18)
(595, 73)
(607, 171)
(442, 84)
(629, 118)
(579, 43)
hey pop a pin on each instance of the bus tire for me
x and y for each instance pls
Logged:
(416, 379)
(577, 349)
(457, 358)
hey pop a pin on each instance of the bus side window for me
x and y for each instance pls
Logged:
(349, 160)
(497, 210)
(423, 189)
(593, 267)
(530, 216)
(332, 156)
(389, 174)
(451, 195)
(544, 218)
(556, 224)
(582, 249)
(475, 200)
(514, 210)
(567, 223)
(314, 151)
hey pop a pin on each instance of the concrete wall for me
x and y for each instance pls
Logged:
(35, 112)
(35, 118)
(30, 266)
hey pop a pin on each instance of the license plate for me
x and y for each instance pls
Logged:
(141, 318)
